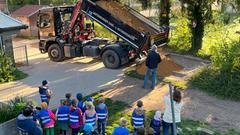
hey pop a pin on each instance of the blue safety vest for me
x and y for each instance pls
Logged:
(91, 120)
(43, 94)
(63, 114)
(156, 125)
(138, 120)
(74, 117)
(81, 105)
(102, 113)
(44, 116)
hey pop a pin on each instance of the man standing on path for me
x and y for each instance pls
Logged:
(45, 93)
(152, 61)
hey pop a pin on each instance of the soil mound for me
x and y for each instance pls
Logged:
(165, 68)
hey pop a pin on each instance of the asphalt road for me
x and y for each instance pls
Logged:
(85, 75)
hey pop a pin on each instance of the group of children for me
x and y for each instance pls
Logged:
(81, 117)
(84, 117)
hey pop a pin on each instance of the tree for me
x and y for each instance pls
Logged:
(146, 3)
(199, 13)
(164, 11)
(238, 4)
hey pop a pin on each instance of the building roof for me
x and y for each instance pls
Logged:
(27, 10)
(8, 23)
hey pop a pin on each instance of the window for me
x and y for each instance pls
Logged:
(45, 21)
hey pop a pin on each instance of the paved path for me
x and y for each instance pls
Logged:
(83, 75)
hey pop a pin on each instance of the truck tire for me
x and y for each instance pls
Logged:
(111, 59)
(55, 53)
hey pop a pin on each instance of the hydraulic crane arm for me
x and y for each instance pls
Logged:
(75, 15)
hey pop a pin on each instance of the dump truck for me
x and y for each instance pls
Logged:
(66, 32)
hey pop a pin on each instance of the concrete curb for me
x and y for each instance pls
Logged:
(189, 57)
(9, 127)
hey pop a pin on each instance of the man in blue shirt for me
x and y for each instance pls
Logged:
(152, 61)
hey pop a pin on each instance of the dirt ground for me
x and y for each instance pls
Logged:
(220, 114)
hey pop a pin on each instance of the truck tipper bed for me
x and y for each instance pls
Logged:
(125, 22)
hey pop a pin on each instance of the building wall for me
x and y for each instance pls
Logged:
(33, 25)
(32, 29)
(3, 6)
(6, 39)
(25, 20)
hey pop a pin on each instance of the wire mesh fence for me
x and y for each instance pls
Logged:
(21, 55)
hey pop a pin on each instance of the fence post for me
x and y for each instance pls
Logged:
(26, 54)
(172, 107)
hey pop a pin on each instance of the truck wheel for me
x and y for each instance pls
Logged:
(55, 53)
(111, 59)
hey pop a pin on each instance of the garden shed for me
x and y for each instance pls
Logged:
(28, 15)
(8, 27)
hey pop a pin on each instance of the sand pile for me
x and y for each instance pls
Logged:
(165, 68)
(121, 12)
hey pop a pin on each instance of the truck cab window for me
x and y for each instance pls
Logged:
(45, 21)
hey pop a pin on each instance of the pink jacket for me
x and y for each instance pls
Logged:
(51, 124)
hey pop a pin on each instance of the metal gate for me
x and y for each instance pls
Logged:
(21, 55)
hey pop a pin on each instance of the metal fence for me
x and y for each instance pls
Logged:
(21, 55)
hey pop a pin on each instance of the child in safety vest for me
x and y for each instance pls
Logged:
(80, 104)
(68, 99)
(102, 113)
(62, 116)
(121, 130)
(46, 117)
(90, 115)
(156, 123)
(138, 117)
(75, 117)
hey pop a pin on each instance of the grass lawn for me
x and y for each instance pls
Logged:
(17, 75)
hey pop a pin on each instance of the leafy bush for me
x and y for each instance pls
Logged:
(216, 34)
(6, 68)
(7, 71)
(180, 39)
(12, 109)
(222, 77)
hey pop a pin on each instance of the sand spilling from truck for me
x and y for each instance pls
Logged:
(123, 13)
(165, 68)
